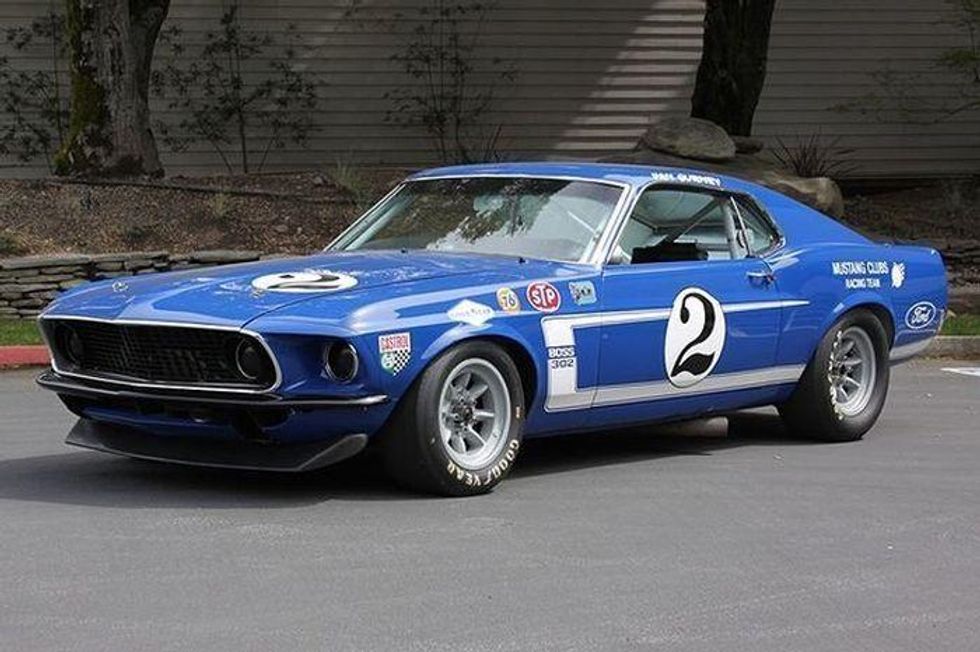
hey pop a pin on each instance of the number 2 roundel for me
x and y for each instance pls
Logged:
(695, 337)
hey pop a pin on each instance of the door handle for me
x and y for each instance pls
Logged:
(766, 277)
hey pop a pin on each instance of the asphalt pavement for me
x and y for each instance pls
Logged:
(619, 541)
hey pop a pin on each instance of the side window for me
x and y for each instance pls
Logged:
(760, 236)
(669, 224)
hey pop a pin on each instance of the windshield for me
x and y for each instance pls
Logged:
(532, 217)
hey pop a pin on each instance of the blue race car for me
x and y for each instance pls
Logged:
(474, 306)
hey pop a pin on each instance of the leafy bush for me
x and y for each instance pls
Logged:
(34, 103)
(910, 96)
(443, 97)
(353, 182)
(9, 245)
(207, 86)
(220, 205)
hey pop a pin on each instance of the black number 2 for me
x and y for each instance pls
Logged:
(697, 363)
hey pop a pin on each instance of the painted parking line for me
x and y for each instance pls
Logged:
(964, 371)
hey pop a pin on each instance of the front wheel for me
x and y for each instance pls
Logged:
(843, 389)
(458, 429)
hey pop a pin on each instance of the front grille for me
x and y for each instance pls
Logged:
(156, 354)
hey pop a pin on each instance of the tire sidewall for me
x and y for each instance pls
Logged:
(843, 426)
(451, 477)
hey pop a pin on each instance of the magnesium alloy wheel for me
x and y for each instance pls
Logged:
(458, 430)
(474, 413)
(843, 388)
(852, 371)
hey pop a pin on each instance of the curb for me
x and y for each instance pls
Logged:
(24, 356)
(961, 347)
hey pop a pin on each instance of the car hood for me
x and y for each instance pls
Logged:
(234, 295)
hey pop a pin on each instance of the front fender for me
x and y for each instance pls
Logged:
(433, 341)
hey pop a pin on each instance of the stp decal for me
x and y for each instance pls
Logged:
(310, 280)
(396, 351)
(920, 315)
(508, 301)
(695, 337)
(583, 292)
(543, 296)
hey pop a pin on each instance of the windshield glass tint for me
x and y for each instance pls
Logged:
(536, 218)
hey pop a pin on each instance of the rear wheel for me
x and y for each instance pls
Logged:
(458, 430)
(843, 388)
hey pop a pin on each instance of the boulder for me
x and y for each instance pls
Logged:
(693, 138)
(747, 145)
(821, 193)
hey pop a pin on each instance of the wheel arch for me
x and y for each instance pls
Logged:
(510, 341)
(884, 315)
(525, 365)
(871, 303)
(865, 301)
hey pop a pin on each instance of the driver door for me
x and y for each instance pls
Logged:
(691, 317)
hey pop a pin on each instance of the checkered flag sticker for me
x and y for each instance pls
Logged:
(396, 351)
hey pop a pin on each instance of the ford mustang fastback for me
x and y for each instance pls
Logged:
(475, 306)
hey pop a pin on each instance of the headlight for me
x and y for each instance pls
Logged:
(340, 361)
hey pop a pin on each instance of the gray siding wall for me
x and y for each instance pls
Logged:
(592, 76)
(821, 55)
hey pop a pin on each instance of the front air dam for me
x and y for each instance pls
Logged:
(229, 454)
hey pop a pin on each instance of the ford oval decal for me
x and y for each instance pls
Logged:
(920, 315)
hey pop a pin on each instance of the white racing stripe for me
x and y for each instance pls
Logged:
(563, 390)
(661, 389)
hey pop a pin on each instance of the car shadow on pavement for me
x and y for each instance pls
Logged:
(589, 450)
(87, 478)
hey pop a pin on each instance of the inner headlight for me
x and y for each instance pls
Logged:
(340, 361)
(251, 360)
(71, 345)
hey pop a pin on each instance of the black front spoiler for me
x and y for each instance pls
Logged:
(197, 451)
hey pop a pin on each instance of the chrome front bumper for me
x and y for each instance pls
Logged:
(66, 385)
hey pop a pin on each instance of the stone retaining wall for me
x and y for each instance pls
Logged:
(962, 259)
(28, 284)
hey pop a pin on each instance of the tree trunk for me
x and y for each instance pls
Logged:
(111, 45)
(733, 63)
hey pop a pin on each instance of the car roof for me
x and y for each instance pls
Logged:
(632, 175)
(797, 222)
